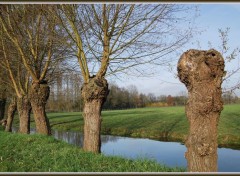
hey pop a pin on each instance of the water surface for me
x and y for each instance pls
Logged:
(168, 153)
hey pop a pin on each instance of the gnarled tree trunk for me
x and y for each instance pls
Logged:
(38, 94)
(24, 110)
(11, 112)
(94, 95)
(202, 72)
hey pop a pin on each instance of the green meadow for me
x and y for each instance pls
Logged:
(165, 123)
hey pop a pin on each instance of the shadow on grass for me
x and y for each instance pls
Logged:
(64, 116)
(169, 129)
(66, 122)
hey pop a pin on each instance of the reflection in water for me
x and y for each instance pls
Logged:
(75, 138)
(169, 153)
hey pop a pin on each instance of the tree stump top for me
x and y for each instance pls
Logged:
(200, 66)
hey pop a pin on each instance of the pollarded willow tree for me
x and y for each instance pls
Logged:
(32, 30)
(202, 72)
(18, 82)
(112, 38)
(6, 93)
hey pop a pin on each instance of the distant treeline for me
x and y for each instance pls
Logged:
(124, 98)
(66, 96)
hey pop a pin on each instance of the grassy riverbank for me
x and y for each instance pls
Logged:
(38, 153)
(156, 123)
(166, 123)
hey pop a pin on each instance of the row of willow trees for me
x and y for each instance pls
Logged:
(40, 42)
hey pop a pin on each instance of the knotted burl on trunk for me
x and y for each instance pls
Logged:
(95, 89)
(39, 93)
(202, 72)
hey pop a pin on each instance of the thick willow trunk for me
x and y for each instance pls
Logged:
(38, 94)
(2, 107)
(24, 110)
(202, 72)
(94, 94)
(11, 112)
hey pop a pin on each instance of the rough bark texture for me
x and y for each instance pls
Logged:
(202, 72)
(38, 94)
(2, 107)
(11, 112)
(94, 94)
(24, 110)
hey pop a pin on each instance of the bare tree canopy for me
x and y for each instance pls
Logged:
(32, 30)
(116, 37)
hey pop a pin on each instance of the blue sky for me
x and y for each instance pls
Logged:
(212, 17)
